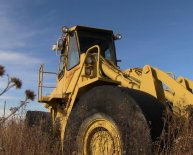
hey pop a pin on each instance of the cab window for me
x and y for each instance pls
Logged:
(90, 38)
(61, 65)
(73, 54)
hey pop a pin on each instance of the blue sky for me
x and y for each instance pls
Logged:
(155, 32)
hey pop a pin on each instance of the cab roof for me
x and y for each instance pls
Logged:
(78, 27)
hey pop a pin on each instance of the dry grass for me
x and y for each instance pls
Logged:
(18, 139)
(183, 141)
(177, 138)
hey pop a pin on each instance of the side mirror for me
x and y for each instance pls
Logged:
(58, 46)
(54, 47)
(61, 41)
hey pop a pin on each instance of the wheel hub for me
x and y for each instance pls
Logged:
(101, 138)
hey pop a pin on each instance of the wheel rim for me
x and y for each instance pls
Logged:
(101, 137)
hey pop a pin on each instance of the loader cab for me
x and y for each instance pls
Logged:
(78, 40)
(89, 37)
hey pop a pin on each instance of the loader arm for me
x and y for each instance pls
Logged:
(155, 82)
(178, 92)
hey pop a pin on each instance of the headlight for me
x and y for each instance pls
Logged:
(89, 60)
(117, 37)
(88, 71)
(65, 29)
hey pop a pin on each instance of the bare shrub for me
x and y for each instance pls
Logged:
(18, 139)
(177, 136)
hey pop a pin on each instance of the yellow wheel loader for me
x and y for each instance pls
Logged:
(101, 109)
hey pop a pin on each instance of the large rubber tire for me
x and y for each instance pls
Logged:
(107, 121)
(153, 110)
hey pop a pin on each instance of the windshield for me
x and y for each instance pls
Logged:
(88, 39)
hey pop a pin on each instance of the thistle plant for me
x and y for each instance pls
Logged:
(11, 81)
(17, 83)
(29, 95)
(2, 70)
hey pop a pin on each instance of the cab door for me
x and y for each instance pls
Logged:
(72, 61)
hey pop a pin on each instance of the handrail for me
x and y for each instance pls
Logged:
(41, 79)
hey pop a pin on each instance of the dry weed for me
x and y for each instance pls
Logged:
(18, 139)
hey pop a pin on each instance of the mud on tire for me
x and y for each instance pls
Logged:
(121, 114)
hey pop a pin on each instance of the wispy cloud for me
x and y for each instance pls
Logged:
(9, 30)
(21, 65)
(22, 37)
(16, 30)
(17, 58)
(8, 97)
